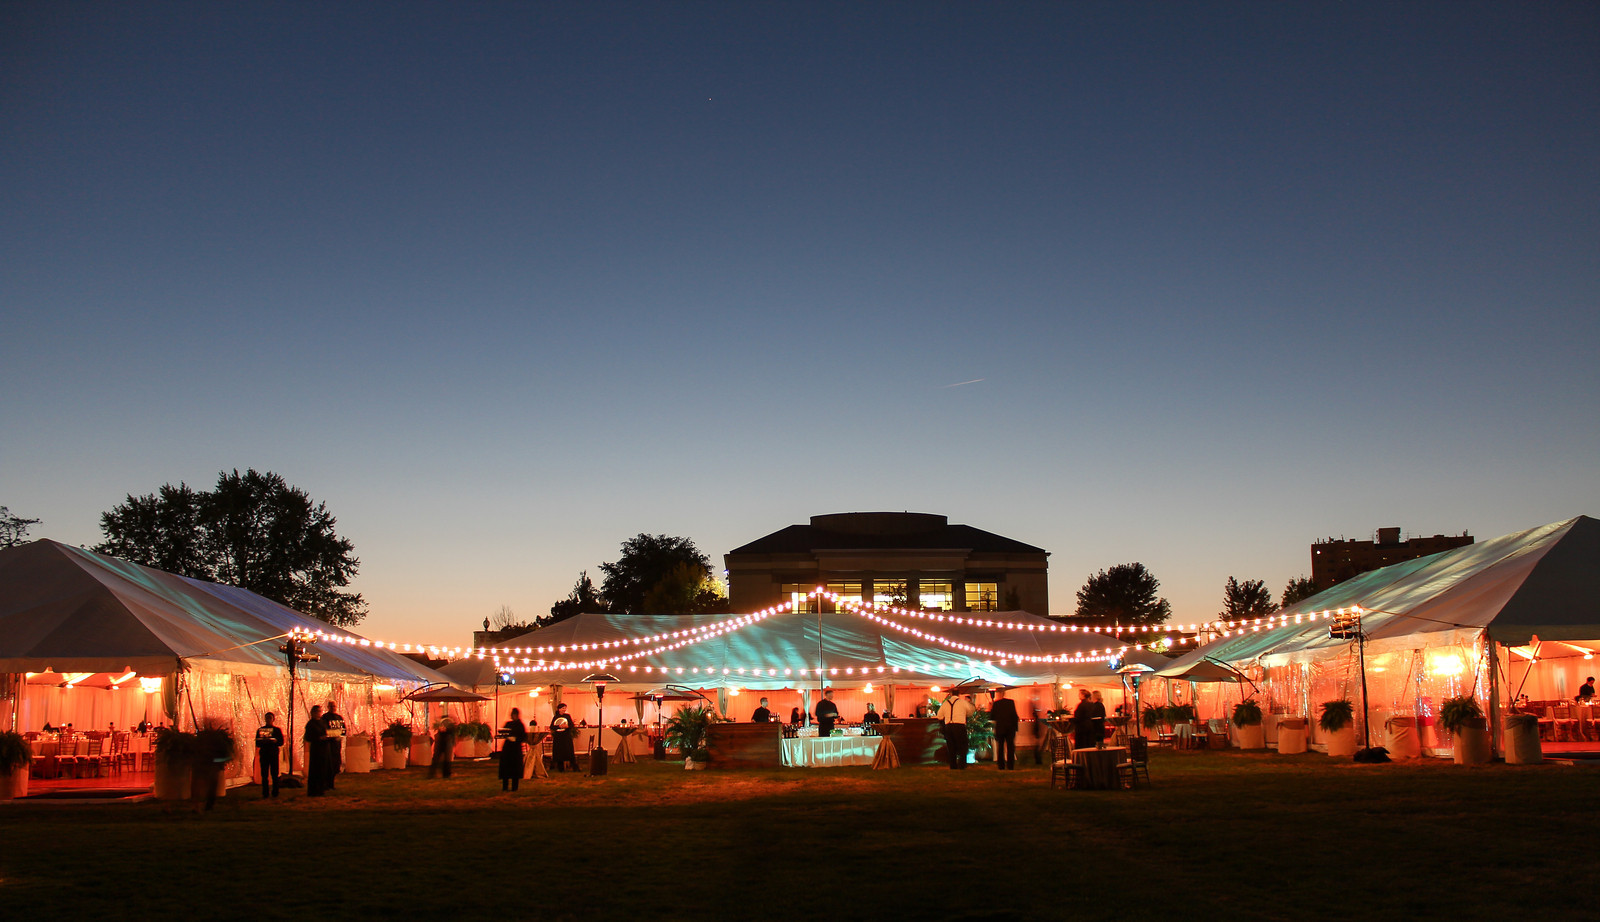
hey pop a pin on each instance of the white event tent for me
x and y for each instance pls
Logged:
(95, 641)
(1517, 614)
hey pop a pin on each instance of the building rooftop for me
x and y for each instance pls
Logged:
(883, 531)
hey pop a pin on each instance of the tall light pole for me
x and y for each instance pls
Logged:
(1348, 625)
(294, 650)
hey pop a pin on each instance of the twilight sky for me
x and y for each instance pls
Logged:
(505, 285)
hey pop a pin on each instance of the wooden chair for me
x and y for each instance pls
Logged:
(93, 760)
(1062, 765)
(66, 756)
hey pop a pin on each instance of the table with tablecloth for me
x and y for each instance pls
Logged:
(624, 749)
(831, 751)
(533, 756)
(1097, 768)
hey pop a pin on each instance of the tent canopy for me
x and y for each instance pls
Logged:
(66, 609)
(783, 650)
(1544, 581)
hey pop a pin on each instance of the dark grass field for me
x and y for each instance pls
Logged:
(1220, 835)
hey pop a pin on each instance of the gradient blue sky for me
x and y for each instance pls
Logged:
(507, 284)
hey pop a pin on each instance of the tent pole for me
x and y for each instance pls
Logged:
(1366, 712)
(1494, 700)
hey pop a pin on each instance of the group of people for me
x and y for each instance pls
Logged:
(563, 749)
(324, 736)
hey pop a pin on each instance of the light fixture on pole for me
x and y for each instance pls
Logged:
(294, 650)
(597, 755)
(1346, 626)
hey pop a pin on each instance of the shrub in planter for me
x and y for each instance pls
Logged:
(1247, 723)
(1338, 722)
(214, 747)
(16, 755)
(1463, 719)
(1522, 740)
(1153, 716)
(980, 734)
(175, 752)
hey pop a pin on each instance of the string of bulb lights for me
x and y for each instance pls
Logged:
(672, 640)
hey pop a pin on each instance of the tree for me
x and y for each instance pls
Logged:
(1126, 594)
(646, 562)
(504, 619)
(686, 590)
(1249, 599)
(1298, 590)
(583, 598)
(14, 529)
(253, 531)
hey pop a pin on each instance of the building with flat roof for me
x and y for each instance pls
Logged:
(914, 558)
(1336, 560)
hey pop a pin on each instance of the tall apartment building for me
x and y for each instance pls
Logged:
(1336, 560)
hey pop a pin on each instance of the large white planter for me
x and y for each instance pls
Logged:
(1400, 738)
(358, 754)
(1342, 742)
(692, 765)
(482, 749)
(1251, 736)
(1522, 744)
(392, 757)
(14, 784)
(1291, 738)
(172, 782)
(464, 748)
(1472, 746)
(421, 750)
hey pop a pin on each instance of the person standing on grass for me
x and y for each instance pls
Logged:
(1004, 715)
(561, 740)
(515, 735)
(827, 714)
(444, 745)
(269, 739)
(335, 724)
(956, 710)
(316, 737)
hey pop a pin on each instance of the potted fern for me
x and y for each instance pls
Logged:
(1522, 740)
(1463, 719)
(396, 744)
(214, 747)
(467, 739)
(1338, 722)
(16, 756)
(175, 751)
(1247, 724)
(687, 731)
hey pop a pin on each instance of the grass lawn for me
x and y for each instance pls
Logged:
(1221, 834)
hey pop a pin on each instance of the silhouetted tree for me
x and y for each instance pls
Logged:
(1298, 590)
(253, 531)
(1249, 599)
(583, 598)
(14, 529)
(1126, 593)
(647, 561)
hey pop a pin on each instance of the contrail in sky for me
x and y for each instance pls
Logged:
(960, 383)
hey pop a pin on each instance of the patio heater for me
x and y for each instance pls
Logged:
(294, 650)
(597, 755)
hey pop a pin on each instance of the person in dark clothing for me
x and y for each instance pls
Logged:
(335, 725)
(515, 735)
(562, 733)
(269, 740)
(796, 718)
(954, 714)
(761, 714)
(1003, 715)
(872, 716)
(1586, 691)
(444, 748)
(1088, 722)
(827, 713)
(316, 737)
